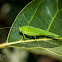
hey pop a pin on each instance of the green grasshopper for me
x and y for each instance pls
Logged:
(32, 31)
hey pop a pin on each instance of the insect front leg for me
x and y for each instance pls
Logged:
(24, 36)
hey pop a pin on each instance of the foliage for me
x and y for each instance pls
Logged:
(43, 14)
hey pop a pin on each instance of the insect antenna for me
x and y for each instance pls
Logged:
(4, 27)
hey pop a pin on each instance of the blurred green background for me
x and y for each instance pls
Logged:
(8, 11)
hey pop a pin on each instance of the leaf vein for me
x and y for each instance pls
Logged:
(25, 17)
(34, 13)
(52, 21)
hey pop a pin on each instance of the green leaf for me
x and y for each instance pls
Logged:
(43, 14)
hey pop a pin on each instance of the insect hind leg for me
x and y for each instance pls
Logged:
(24, 36)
